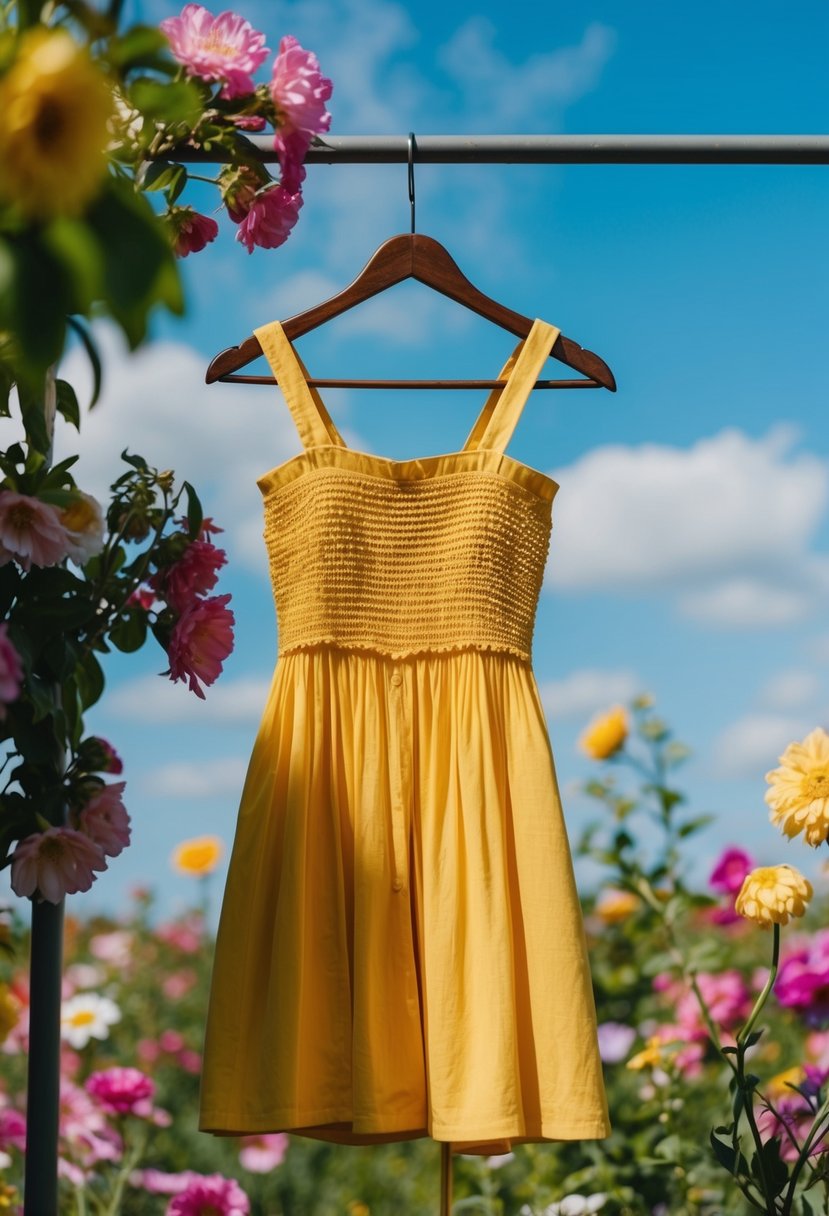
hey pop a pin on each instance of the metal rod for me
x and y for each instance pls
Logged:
(43, 1102)
(551, 149)
(445, 1178)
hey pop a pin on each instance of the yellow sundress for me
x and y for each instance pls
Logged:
(401, 951)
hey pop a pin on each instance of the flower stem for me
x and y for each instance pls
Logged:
(769, 984)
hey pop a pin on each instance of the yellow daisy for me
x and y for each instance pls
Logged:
(771, 894)
(198, 856)
(605, 734)
(799, 789)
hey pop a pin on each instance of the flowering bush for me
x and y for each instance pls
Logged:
(708, 1051)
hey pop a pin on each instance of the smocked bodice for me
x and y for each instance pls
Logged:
(402, 557)
(364, 555)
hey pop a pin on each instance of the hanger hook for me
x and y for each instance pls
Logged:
(411, 177)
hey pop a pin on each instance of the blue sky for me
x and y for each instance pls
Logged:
(690, 549)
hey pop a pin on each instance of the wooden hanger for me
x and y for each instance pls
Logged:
(413, 256)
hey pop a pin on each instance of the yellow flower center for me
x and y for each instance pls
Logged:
(50, 121)
(78, 517)
(21, 516)
(82, 1018)
(214, 43)
(816, 784)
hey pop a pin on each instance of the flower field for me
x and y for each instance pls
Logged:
(706, 1058)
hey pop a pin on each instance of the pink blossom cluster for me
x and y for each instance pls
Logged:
(228, 49)
(194, 1194)
(34, 533)
(201, 634)
(170, 1047)
(728, 1000)
(803, 979)
(726, 878)
(64, 860)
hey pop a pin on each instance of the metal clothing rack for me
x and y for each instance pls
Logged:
(41, 1184)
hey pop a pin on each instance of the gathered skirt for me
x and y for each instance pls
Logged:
(401, 950)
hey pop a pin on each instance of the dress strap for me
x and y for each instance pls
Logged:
(316, 429)
(497, 420)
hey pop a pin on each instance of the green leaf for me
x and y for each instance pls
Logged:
(42, 294)
(90, 680)
(694, 825)
(163, 175)
(174, 102)
(776, 1170)
(94, 358)
(724, 1153)
(129, 633)
(137, 462)
(33, 411)
(68, 403)
(195, 514)
(139, 46)
(74, 245)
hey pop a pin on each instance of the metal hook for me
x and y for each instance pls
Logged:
(411, 177)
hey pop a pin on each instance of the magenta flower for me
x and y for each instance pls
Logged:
(55, 863)
(730, 869)
(803, 979)
(225, 48)
(291, 148)
(122, 1091)
(191, 576)
(210, 1195)
(200, 642)
(191, 230)
(261, 1154)
(30, 531)
(84, 1130)
(271, 215)
(104, 819)
(108, 760)
(12, 1128)
(11, 671)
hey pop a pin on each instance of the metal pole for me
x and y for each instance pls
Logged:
(43, 1103)
(551, 149)
(40, 1189)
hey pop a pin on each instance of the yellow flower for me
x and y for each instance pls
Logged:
(9, 1012)
(198, 856)
(799, 793)
(649, 1057)
(605, 734)
(779, 1086)
(55, 106)
(771, 894)
(613, 906)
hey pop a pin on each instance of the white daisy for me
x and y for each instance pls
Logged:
(87, 1016)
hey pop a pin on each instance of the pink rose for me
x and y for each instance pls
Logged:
(191, 230)
(299, 92)
(225, 48)
(30, 531)
(122, 1091)
(200, 642)
(11, 671)
(104, 819)
(271, 216)
(55, 863)
(191, 576)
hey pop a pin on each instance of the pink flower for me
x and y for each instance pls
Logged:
(11, 671)
(104, 819)
(158, 1182)
(299, 92)
(185, 935)
(200, 642)
(142, 597)
(107, 759)
(803, 979)
(30, 531)
(270, 217)
(12, 1128)
(191, 230)
(238, 185)
(178, 984)
(730, 869)
(210, 1195)
(192, 575)
(225, 48)
(249, 122)
(261, 1154)
(121, 1091)
(55, 863)
(115, 948)
(84, 1131)
(615, 1041)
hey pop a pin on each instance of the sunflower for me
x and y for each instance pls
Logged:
(56, 105)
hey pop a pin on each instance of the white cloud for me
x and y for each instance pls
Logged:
(198, 779)
(583, 692)
(725, 525)
(793, 689)
(152, 699)
(750, 747)
(531, 93)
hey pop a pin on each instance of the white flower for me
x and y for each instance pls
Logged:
(87, 1016)
(498, 1160)
(571, 1205)
(5, 1160)
(84, 522)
